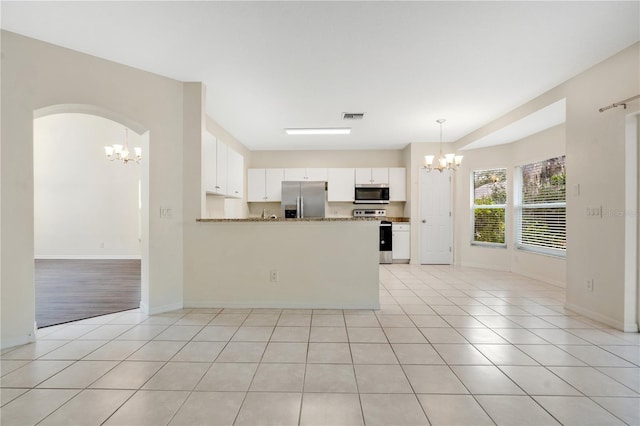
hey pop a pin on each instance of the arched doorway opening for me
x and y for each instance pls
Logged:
(90, 214)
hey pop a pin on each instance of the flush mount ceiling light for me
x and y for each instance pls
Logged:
(447, 161)
(320, 131)
(119, 152)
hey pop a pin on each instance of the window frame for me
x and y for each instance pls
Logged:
(475, 206)
(519, 207)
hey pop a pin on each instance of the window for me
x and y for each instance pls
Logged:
(541, 220)
(489, 206)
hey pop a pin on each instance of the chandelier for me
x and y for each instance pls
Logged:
(447, 161)
(120, 152)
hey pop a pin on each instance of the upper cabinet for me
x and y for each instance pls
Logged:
(340, 184)
(222, 167)
(365, 176)
(310, 174)
(235, 174)
(264, 185)
(209, 163)
(397, 184)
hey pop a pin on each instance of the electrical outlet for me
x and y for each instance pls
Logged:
(590, 285)
(274, 276)
(165, 212)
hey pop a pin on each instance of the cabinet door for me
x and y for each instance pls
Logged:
(274, 178)
(235, 174)
(256, 185)
(209, 162)
(397, 184)
(221, 169)
(340, 186)
(380, 176)
(401, 245)
(316, 174)
(363, 176)
(295, 174)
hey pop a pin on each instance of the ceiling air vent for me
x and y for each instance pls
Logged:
(352, 115)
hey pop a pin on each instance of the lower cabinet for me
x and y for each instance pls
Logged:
(401, 242)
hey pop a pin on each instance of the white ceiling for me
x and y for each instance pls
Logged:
(273, 65)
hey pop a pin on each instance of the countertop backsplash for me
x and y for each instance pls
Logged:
(332, 210)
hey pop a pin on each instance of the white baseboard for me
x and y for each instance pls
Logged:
(159, 309)
(482, 266)
(618, 325)
(560, 284)
(277, 305)
(86, 256)
(17, 341)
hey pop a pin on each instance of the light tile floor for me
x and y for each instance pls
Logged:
(449, 346)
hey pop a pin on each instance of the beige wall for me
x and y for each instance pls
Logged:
(75, 188)
(36, 75)
(337, 158)
(594, 139)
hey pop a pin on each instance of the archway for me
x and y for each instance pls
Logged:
(94, 245)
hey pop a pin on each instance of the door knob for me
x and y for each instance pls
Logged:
(424, 221)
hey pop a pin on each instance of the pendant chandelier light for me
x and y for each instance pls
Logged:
(446, 161)
(119, 152)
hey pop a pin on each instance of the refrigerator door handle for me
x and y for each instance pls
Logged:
(301, 206)
(297, 207)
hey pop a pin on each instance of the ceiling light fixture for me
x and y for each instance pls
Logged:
(447, 161)
(119, 152)
(321, 131)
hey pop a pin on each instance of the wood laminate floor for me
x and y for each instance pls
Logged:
(70, 290)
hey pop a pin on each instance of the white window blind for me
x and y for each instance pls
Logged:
(489, 195)
(541, 218)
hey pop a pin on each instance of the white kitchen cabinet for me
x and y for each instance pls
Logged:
(214, 165)
(340, 184)
(235, 174)
(401, 242)
(308, 174)
(317, 174)
(294, 174)
(378, 175)
(264, 185)
(397, 184)
(221, 168)
(273, 184)
(209, 163)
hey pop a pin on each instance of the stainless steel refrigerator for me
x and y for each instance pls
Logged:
(303, 199)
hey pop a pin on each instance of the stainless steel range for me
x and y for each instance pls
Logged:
(385, 231)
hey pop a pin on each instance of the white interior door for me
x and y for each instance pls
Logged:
(436, 236)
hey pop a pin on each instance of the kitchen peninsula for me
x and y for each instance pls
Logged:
(322, 263)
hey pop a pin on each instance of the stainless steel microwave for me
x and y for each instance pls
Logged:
(371, 194)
